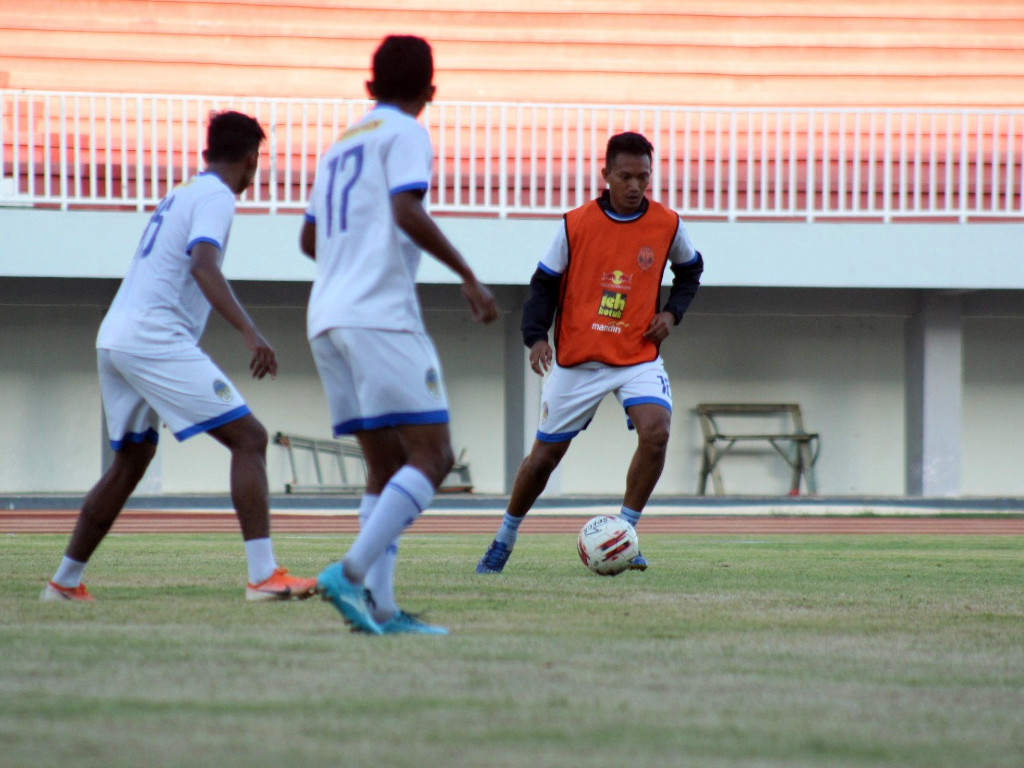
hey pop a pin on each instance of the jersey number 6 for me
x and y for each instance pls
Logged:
(153, 228)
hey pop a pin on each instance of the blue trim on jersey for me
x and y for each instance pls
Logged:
(548, 270)
(309, 218)
(149, 436)
(415, 186)
(198, 240)
(556, 437)
(390, 420)
(206, 426)
(647, 401)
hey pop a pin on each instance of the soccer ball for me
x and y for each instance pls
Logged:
(607, 544)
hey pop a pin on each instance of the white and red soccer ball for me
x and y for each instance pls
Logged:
(607, 544)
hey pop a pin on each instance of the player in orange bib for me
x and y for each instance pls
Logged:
(599, 284)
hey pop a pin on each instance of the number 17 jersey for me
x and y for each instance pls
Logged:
(365, 264)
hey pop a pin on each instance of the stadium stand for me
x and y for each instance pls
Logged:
(729, 53)
(721, 53)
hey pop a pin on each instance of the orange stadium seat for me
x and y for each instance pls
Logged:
(764, 54)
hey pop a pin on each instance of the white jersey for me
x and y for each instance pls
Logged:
(159, 307)
(365, 265)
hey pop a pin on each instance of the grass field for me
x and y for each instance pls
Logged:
(783, 651)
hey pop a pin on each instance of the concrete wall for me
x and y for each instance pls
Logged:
(838, 353)
(812, 313)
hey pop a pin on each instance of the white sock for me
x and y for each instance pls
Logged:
(260, 554)
(405, 496)
(69, 573)
(509, 530)
(380, 579)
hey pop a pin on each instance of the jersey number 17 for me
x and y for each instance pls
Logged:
(343, 172)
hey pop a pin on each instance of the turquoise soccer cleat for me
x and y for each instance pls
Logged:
(348, 598)
(403, 623)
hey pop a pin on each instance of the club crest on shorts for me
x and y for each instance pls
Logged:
(222, 390)
(433, 382)
(543, 412)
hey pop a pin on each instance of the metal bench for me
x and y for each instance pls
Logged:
(795, 444)
(338, 466)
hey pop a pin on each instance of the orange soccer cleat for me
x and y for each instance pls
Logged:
(281, 586)
(56, 593)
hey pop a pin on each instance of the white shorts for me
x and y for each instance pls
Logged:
(375, 379)
(185, 390)
(571, 396)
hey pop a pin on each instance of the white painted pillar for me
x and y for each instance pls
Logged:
(517, 412)
(934, 396)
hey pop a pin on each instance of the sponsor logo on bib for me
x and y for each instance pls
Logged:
(613, 304)
(616, 281)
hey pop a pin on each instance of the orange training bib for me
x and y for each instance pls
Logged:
(611, 285)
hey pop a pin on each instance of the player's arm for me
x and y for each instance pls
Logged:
(687, 266)
(413, 219)
(215, 287)
(538, 315)
(685, 281)
(307, 238)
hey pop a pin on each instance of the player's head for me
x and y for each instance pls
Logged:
(403, 69)
(231, 138)
(627, 171)
(628, 143)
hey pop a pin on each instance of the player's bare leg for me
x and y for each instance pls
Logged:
(652, 423)
(107, 498)
(533, 475)
(531, 480)
(100, 509)
(384, 454)
(246, 438)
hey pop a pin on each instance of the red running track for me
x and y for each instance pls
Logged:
(142, 521)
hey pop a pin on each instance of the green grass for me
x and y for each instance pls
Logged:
(785, 651)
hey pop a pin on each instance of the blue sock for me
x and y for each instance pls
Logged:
(631, 516)
(509, 530)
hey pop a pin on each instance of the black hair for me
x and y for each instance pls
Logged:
(628, 143)
(403, 67)
(232, 136)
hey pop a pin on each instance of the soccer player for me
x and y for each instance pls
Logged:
(599, 283)
(365, 225)
(152, 369)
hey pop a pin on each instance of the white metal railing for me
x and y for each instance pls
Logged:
(95, 150)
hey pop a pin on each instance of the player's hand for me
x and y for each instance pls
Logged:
(263, 360)
(660, 327)
(540, 357)
(481, 302)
